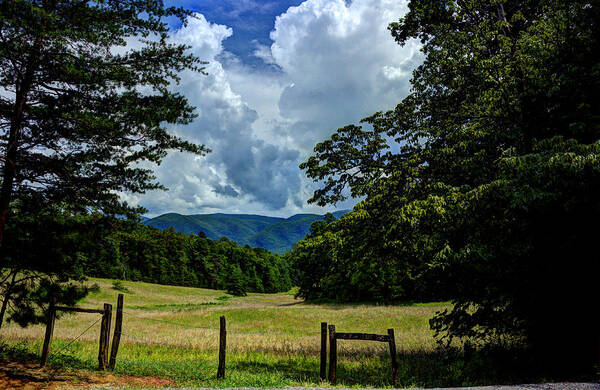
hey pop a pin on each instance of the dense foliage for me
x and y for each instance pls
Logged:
(144, 253)
(45, 255)
(482, 185)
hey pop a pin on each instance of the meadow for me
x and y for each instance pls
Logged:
(273, 340)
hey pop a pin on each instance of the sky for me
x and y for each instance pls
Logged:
(283, 75)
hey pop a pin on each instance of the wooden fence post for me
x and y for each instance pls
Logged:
(104, 337)
(323, 351)
(117, 334)
(51, 317)
(222, 347)
(332, 355)
(393, 356)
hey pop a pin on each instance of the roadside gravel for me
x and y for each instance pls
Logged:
(545, 386)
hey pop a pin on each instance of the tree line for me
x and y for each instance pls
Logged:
(144, 253)
(51, 252)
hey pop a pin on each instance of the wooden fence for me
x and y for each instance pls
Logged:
(105, 362)
(334, 336)
(103, 348)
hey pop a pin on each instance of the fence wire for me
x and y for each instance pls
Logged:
(253, 347)
(59, 352)
(169, 322)
(230, 331)
(146, 341)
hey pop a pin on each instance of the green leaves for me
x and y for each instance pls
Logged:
(481, 184)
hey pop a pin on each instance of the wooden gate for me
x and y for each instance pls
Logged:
(334, 336)
(103, 349)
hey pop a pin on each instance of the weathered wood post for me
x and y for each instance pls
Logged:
(104, 337)
(393, 355)
(222, 347)
(323, 351)
(50, 318)
(117, 335)
(332, 355)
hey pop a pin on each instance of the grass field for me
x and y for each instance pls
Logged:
(273, 340)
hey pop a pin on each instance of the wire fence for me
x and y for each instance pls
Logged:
(262, 347)
(137, 333)
(60, 351)
(169, 322)
(256, 347)
(236, 331)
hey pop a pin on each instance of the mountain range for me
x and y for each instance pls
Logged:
(272, 233)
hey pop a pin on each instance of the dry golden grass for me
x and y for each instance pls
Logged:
(265, 322)
(168, 326)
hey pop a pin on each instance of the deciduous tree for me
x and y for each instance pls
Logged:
(484, 179)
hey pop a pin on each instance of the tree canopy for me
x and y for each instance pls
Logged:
(482, 185)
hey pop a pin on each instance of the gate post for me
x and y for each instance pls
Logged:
(51, 317)
(332, 355)
(393, 356)
(117, 334)
(104, 337)
(323, 350)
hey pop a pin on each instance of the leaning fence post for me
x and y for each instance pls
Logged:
(332, 355)
(323, 350)
(50, 318)
(222, 347)
(393, 355)
(117, 334)
(104, 337)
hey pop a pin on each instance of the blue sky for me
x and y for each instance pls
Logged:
(282, 76)
(251, 21)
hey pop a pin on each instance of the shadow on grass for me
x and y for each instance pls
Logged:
(288, 368)
(441, 368)
(337, 305)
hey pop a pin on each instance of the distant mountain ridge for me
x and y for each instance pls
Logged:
(272, 233)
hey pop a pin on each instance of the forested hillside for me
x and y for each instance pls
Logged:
(95, 245)
(271, 233)
(169, 257)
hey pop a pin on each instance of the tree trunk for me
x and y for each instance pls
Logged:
(3, 309)
(16, 122)
(7, 297)
(10, 166)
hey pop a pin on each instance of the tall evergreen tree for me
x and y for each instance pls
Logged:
(80, 108)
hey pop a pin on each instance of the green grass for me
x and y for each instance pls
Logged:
(273, 340)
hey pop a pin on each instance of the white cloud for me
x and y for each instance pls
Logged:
(336, 54)
(243, 170)
(333, 63)
(264, 53)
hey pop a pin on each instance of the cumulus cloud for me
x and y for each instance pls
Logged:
(331, 63)
(339, 57)
(242, 169)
